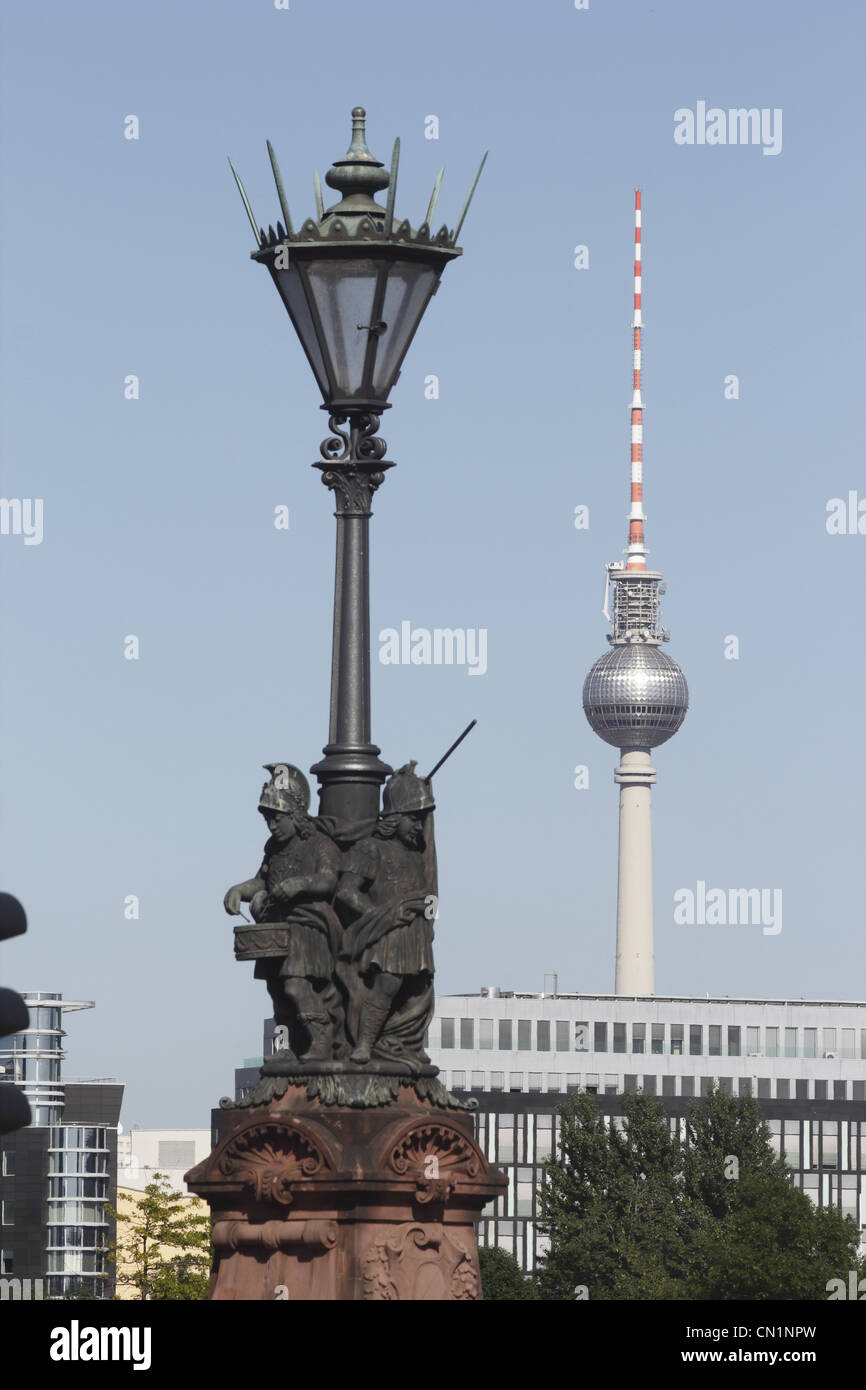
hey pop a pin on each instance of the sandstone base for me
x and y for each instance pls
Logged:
(316, 1201)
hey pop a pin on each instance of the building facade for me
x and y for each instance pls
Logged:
(520, 1055)
(142, 1153)
(57, 1176)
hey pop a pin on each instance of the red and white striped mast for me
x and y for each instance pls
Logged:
(636, 589)
(636, 518)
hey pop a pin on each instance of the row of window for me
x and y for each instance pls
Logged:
(675, 1039)
(77, 1137)
(26, 1069)
(76, 1237)
(61, 1286)
(76, 1262)
(77, 1161)
(784, 1088)
(92, 1187)
(64, 1213)
(803, 1144)
(30, 1042)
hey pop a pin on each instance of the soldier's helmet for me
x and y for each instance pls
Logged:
(288, 789)
(404, 792)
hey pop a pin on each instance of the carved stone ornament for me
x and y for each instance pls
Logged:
(437, 1156)
(419, 1263)
(269, 1158)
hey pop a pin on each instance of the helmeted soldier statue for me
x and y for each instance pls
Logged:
(386, 898)
(293, 890)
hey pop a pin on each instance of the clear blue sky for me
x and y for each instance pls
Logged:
(141, 777)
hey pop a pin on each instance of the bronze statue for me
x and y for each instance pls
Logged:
(386, 898)
(292, 893)
(343, 926)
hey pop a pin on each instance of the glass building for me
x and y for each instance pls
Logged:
(58, 1177)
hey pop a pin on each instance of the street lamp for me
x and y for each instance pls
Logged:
(355, 283)
(348, 1171)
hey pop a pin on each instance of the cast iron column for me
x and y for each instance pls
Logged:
(351, 771)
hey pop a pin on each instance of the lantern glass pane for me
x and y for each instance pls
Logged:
(409, 287)
(290, 285)
(344, 291)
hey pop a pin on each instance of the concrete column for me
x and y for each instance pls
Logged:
(634, 908)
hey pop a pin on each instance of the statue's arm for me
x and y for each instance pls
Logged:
(350, 893)
(319, 884)
(243, 893)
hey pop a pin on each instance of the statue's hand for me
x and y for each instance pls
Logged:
(232, 901)
(258, 903)
(286, 891)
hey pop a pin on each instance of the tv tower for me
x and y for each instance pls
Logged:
(635, 697)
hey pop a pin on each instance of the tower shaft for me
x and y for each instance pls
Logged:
(635, 971)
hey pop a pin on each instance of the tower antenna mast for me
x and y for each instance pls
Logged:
(636, 518)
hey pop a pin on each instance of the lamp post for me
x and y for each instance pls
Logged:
(355, 283)
(348, 1171)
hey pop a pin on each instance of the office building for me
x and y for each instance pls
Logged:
(58, 1176)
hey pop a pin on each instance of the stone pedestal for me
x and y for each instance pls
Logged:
(374, 1195)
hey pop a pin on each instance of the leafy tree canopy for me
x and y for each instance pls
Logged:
(502, 1279)
(163, 1247)
(631, 1212)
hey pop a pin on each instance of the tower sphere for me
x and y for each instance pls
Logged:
(635, 696)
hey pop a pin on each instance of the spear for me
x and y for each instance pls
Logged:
(456, 744)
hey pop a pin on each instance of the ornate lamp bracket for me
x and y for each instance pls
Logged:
(354, 464)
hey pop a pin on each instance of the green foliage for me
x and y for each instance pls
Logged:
(632, 1213)
(613, 1205)
(163, 1249)
(773, 1244)
(502, 1279)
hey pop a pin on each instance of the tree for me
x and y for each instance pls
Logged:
(612, 1204)
(759, 1236)
(774, 1244)
(501, 1276)
(163, 1248)
(631, 1213)
(726, 1128)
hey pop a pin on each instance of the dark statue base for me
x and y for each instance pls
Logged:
(348, 1083)
(324, 1199)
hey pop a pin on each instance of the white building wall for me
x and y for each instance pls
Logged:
(821, 1043)
(141, 1153)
